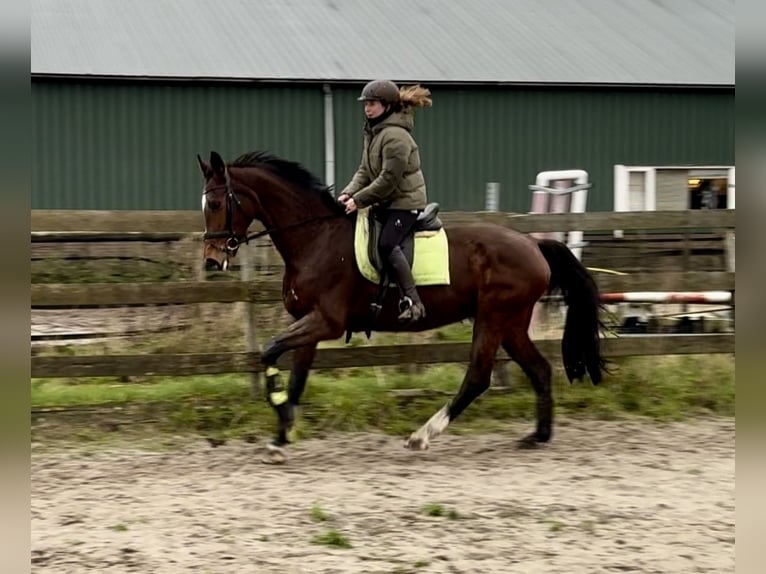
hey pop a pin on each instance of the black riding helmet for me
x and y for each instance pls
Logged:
(384, 91)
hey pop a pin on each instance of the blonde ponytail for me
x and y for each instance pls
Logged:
(415, 97)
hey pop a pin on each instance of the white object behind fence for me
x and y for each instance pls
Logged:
(562, 191)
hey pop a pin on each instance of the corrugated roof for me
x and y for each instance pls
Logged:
(686, 42)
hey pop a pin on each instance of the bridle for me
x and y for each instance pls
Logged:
(233, 241)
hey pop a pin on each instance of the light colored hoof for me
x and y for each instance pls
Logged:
(434, 427)
(416, 443)
(274, 455)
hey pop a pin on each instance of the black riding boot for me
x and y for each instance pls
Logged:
(415, 310)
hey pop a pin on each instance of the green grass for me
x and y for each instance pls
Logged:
(318, 514)
(96, 391)
(332, 538)
(107, 270)
(555, 525)
(659, 388)
(435, 509)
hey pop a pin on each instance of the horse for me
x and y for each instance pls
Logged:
(496, 277)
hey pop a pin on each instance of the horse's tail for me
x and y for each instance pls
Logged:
(580, 347)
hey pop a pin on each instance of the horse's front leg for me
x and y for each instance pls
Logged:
(302, 337)
(284, 402)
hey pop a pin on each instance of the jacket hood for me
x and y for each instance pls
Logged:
(404, 119)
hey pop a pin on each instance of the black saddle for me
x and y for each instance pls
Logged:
(428, 220)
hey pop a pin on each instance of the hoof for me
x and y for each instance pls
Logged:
(416, 443)
(528, 443)
(274, 455)
(533, 440)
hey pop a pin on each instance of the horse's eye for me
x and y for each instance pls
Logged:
(214, 204)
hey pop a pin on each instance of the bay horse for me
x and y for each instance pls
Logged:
(496, 277)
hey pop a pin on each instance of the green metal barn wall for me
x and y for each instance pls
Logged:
(133, 146)
(110, 146)
(473, 136)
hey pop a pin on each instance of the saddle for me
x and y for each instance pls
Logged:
(428, 222)
(428, 227)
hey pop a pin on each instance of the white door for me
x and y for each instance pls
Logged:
(635, 189)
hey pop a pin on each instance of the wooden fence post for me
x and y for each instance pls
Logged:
(246, 271)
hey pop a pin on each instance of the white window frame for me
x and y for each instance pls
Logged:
(622, 185)
(731, 191)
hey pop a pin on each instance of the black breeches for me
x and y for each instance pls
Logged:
(399, 224)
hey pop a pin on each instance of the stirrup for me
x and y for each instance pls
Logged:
(408, 314)
(405, 304)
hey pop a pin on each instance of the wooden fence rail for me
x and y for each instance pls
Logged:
(333, 358)
(270, 291)
(55, 226)
(134, 222)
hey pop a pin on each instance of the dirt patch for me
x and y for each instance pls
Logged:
(602, 497)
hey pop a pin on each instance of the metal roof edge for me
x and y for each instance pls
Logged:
(340, 81)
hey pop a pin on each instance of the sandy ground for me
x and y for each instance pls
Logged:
(602, 497)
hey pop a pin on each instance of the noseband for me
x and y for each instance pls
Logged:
(233, 241)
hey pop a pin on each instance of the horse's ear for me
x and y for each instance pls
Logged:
(207, 172)
(216, 161)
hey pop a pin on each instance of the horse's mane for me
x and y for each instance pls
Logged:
(291, 171)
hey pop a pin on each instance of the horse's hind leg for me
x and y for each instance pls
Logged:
(486, 340)
(522, 350)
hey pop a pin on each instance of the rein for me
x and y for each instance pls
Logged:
(233, 241)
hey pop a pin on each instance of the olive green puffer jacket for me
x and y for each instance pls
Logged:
(389, 174)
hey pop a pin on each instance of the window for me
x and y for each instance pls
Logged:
(641, 188)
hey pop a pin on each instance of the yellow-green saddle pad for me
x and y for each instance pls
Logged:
(430, 260)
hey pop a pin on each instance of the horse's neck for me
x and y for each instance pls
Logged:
(314, 245)
(306, 246)
(304, 218)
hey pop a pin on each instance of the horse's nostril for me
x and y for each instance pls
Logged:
(212, 265)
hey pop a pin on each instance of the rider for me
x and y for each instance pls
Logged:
(389, 176)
